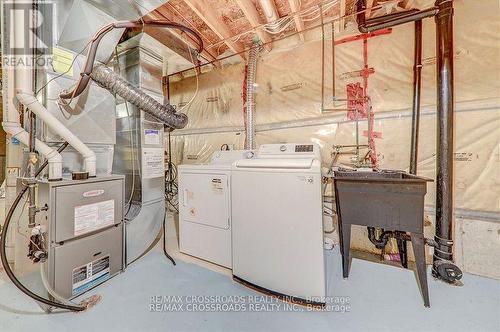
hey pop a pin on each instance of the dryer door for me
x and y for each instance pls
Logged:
(204, 199)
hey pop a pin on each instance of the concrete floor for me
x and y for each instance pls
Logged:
(382, 298)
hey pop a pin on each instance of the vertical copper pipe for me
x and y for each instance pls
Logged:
(417, 83)
(444, 150)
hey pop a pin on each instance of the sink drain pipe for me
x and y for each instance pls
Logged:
(443, 267)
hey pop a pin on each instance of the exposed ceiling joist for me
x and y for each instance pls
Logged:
(369, 5)
(214, 22)
(251, 14)
(342, 14)
(408, 4)
(299, 24)
(161, 34)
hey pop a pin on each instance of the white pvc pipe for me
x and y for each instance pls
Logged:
(53, 157)
(269, 10)
(89, 158)
(16, 77)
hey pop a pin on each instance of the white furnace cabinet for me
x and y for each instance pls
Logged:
(204, 212)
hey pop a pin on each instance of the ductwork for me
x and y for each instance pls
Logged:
(95, 41)
(108, 79)
(30, 102)
(250, 100)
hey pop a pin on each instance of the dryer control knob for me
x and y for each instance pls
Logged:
(250, 154)
(283, 148)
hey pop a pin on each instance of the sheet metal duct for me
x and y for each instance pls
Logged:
(139, 136)
(90, 16)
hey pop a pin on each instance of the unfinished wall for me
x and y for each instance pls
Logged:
(288, 105)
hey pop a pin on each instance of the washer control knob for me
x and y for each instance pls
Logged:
(250, 154)
(283, 148)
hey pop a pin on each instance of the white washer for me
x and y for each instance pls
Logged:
(277, 222)
(204, 207)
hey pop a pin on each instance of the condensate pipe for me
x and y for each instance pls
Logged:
(417, 85)
(444, 149)
(53, 157)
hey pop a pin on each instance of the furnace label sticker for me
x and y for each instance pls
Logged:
(153, 165)
(151, 136)
(94, 216)
(90, 275)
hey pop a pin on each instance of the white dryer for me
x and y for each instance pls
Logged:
(277, 222)
(205, 207)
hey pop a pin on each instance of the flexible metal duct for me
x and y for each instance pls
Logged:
(109, 80)
(250, 101)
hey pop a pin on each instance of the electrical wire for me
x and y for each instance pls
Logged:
(165, 240)
(171, 188)
(197, 79)
(171, 191)
(132, 140)
(64, 73)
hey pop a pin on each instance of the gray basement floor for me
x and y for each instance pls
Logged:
(382, 298)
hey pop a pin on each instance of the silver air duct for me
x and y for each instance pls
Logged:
(250, 101)
(109, 80)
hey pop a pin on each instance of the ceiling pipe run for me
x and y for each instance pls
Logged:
(390, 20)
(270, 13)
